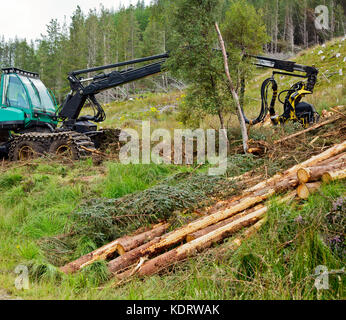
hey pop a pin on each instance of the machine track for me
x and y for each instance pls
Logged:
(71, 144)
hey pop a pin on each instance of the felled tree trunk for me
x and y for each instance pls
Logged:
(305, 189)
(216, 226)
(160, 244)
(127, 244)
(120, 264)
(315, 173)
(237, 242)
(203, 242)
(313, 161)
(157, 264)
(252, 197)
(334, 175)
(120, 245)
(200, 233)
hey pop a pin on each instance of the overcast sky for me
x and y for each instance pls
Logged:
(28, 18)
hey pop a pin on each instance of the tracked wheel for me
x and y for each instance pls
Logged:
(26, 147)
(72, 145)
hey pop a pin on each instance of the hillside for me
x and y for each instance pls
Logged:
(54, 211)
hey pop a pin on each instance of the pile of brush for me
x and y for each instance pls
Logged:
(156, 249)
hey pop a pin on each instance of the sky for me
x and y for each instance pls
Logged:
(28, 18)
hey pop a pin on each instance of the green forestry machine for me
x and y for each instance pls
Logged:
(31, 123)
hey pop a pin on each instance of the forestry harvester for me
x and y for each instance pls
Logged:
(32, 123)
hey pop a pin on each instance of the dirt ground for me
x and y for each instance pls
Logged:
(4, 295)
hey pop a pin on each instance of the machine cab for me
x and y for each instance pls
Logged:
(24, 98)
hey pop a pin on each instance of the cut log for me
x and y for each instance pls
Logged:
(305, 189)
(255, 150)
(127, 244)
(312, 174)
(313, 161)
(120, 264)
(237, 242)
(252, 197)
(213, 227)
(334, 175)
(316, 126)
(160, 244)
(121, 244)
(214, 236)
(189, 249)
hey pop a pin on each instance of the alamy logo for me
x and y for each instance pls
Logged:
(210, 148)
(322, 275)
(22, 281)
(322, 17)
(322, 278)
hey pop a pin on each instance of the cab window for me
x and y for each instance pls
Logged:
(16, 95)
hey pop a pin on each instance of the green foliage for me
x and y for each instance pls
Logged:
(244, 32)
(8, 180)
(199, 64)
(106, 36)
(194, 58)
(243, 28)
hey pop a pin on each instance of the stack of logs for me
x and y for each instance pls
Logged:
(154, 250)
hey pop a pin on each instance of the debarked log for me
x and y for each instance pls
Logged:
(334, 175)
(313, 161)
(120, 245)
(189, 249)
(312, 174)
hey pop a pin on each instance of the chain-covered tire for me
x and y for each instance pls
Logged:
(72, 145)
(25, 148)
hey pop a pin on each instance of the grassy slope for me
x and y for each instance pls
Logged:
(37, 200)
(278, 263)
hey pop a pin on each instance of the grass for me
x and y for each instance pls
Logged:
(277, 263)
(122, 180)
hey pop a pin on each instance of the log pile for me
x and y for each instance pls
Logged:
(156, 250)
(327, 171)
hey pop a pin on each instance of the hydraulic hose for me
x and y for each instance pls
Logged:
(264, 96)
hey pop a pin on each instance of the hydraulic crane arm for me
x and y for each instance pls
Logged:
(289, 66)
(294, 109)
(80, 93)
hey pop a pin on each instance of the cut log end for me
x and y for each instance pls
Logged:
(121, 250)
(327, 178)
(303, 175)
(303, 191)
(306, 189)
(333, 176)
